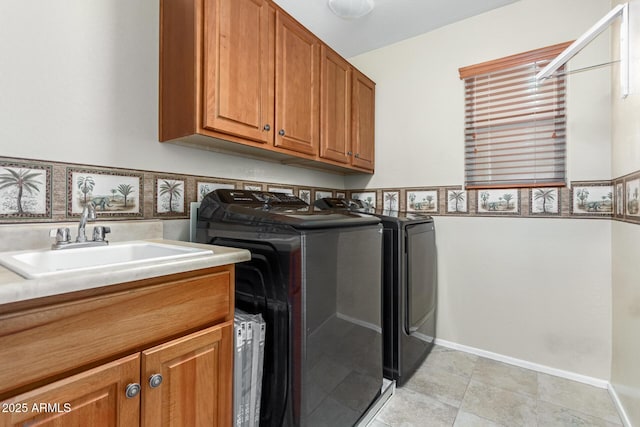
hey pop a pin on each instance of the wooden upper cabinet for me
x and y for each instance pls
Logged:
(297, 87)
(242, 76)
(335, 110)
(96, 397)
(238, 68)
(363, 120)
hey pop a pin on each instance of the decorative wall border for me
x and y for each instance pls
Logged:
(498, 202)
(456, 201)
(25, 190)
(115, 194)
(57, 186)
(592, 199)
(170, 196)
(528, 203)
(631, 197)
(545, 201)
(423, 200)
(205, 186)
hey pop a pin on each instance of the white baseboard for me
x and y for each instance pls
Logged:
(616, 401)
(597, 382)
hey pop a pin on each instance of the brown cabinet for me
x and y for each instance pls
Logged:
(242, 76)
(347, 114)
(335, 139)
(297, 87)
(93, 398)
(363, 119)
(196, 371)
(153, 352)
(238, 69)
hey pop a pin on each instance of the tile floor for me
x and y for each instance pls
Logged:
(454, 388)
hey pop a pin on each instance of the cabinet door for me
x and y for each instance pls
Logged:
(238, 80)
(335, 109)
(94, 398)
(196, 387)
(363, 121)
(297, 87)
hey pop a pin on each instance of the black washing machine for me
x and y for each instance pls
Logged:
(316, 279)
(409, 286)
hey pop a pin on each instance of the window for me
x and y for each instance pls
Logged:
(514, 126)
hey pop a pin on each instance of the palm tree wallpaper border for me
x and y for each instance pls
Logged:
(170, 197)
(114, 194)
(305, 194)
(499, 202)
(544, 201)
(593, 199)
(57, 191)
(369, 198)
(426, 201)
(619, 209)
(632, 197)
(205, 187)
(25, 190)
(321, 194)
(278, 189)
(391, 200)
(457, 201)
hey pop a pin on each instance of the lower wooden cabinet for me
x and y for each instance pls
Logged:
(93, 398)
(196, 374)
(185, 382)
(183, 379)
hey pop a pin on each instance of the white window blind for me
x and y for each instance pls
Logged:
(515, 127)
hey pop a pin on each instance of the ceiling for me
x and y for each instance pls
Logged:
(389, 22)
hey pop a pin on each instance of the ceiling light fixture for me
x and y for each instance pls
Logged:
(350, 9)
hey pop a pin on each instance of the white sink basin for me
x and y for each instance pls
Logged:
(44, 263)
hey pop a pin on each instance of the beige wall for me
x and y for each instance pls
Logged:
(79, 84)
(532, 289)
(420, 98)
(533, 303)
(625, 370)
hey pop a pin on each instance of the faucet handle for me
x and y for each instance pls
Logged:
(62, 234)
(99, 232)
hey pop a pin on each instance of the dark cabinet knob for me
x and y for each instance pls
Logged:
(349, 153)
(132, 390)
(155, 380)
(267, 127)
(357, 155)
(281, 133)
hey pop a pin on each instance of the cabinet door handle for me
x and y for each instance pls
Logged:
(267, 127)
(132, 390)
(155, 380)
(349, 153)
(281, 133)
(357, 155)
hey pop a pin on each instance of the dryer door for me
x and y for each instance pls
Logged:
(420, 248)
(261, 287)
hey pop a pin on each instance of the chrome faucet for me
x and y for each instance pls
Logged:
(88, 214)
(63, 237)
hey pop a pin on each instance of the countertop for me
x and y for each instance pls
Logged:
(14, 288)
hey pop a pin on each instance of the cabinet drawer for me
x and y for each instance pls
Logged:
(46, 342)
